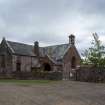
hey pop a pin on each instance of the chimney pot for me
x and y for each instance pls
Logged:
(36, 48)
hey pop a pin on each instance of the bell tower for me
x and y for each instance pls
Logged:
(72, 39)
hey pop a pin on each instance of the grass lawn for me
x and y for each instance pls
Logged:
(27, 82)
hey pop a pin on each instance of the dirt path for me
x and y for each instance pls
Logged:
(60, 93)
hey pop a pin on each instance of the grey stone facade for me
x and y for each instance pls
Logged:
(16, 56)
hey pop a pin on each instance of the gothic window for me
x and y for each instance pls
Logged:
(73, 62)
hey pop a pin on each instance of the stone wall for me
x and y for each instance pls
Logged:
(36, 75)
(27, 62)
(8, 64)
(6, 57)
(54, 67)
(67, 62)
(90, 74)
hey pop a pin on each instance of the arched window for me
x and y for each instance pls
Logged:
(47, 67)
(73, 62)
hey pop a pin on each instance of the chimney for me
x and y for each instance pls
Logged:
(72, 39)
(36, 48)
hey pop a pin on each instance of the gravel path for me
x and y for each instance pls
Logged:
(60, 93)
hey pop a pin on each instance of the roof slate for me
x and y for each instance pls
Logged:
(21, 49)
(55, 52)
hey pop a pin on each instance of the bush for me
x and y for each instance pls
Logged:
(40, 74)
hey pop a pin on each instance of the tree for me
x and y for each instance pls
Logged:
(95, 55)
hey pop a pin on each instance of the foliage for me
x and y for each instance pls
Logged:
(95, 54)
(46, 75)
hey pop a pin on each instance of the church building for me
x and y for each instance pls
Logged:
(15, 56)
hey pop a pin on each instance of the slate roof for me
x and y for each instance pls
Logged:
(21, 49)
(55, 52)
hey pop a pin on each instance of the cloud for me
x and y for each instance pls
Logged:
(52, 21)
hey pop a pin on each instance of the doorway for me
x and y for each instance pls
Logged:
(47, 67)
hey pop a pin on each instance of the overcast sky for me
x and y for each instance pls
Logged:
(51, 21)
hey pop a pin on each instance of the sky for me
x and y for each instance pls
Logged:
(51, 21)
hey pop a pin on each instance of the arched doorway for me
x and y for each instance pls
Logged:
(73, 62)
(46, 67)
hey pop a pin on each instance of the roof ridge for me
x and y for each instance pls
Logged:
(10, 47)
(54, 45)
(21, 48)
(19, 43)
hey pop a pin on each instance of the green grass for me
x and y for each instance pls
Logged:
(27, 82)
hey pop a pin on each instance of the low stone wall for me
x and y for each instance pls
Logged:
(90, 74)
(48, 75)
(32, 75)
